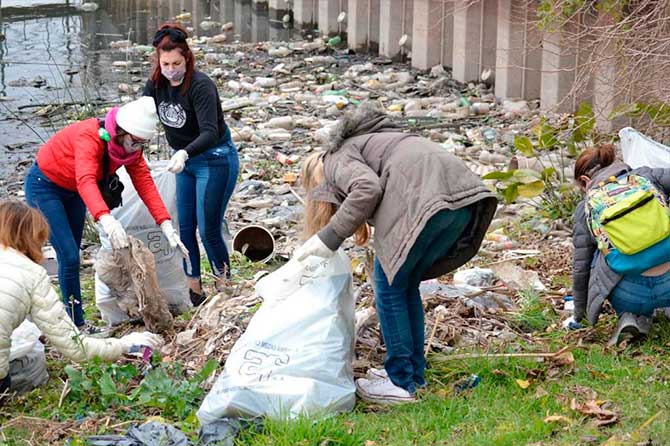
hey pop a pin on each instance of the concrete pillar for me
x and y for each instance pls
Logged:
(558, 69)
(363, 24)
(447, 33)
(426, 33)
(260, 26)
(467, 40)
(329, 10)
(227, 10)
(394, 22)
(280, 5)
(609, 90)
(488, 36)
(243, 19)
(475, 35)
(519, 53)
(305, 12)
(278, 9)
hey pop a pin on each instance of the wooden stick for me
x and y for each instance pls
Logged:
(63, 394)
(507, 355)
(300, 199)
(438, 319)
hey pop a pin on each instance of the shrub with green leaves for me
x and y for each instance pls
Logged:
(99, 386)
(552, 146)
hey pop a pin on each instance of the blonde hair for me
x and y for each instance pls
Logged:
(23, 228)
(318, 213)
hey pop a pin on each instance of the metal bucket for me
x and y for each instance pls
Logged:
(255, 242)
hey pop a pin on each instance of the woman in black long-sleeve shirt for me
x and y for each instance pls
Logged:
(205, 158)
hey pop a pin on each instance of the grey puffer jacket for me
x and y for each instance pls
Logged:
(591, 285)
(397, 182)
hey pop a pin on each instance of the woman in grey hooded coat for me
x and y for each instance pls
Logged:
(429, 212)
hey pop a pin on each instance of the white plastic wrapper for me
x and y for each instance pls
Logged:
(25, 338)
(296, 356)
(138, 222)
(640, 150)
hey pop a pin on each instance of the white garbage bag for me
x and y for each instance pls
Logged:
(24, 339)
(640, 150)
(27, 360)
(295, 358)
(138, 222)
(107, 302)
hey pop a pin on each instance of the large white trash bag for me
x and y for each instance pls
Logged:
(639, 150)
(138, 222)
(25, 338)
(295, 358)
(27, 361)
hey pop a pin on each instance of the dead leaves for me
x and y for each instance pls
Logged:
(523, 383)
(600, 412)
(597, 410)
(558, 418)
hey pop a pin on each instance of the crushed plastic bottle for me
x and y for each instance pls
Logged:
(470, 382)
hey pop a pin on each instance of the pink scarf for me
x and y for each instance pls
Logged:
(116, 152)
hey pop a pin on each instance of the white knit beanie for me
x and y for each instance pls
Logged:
(138, 117)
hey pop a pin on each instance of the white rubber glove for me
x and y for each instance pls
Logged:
(571, 324)
(178, 161)
(313, 247)
(144, 338)
(114, 230)
(172, 237)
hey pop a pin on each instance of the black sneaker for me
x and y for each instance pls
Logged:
(88, 330)
(197, 298)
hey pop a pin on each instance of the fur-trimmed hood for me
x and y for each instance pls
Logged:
(369, 117)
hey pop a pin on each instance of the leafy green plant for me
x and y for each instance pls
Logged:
(547, 188)
(553, 13)
(657, 112)
(99, 386)
(166, 388)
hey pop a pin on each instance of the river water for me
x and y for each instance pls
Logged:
(54, 52)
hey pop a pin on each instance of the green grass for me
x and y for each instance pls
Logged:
(535, 313)
(496, 412)
(499, 412)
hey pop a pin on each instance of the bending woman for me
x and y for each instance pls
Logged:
(429, 212)
(64, 182)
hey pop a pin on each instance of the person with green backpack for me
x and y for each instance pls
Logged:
(621, 238)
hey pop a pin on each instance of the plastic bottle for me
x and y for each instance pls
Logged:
(470, 382)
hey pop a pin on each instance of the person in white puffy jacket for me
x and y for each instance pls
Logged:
(25, 291)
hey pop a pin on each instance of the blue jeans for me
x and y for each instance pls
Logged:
(204, 188)
(399, 304)
(65, 212)
(641, 295)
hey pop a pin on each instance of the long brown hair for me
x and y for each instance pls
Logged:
(168, 44)
(592, 160)
(318, 213)
(23, 228)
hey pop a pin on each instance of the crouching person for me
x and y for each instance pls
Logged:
(25, 291)
(622, 241)
(429, 213)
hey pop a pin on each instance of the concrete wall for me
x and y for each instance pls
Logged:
(468, 36)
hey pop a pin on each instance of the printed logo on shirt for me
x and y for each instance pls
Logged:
(172, 115)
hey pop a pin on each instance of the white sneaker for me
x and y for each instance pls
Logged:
(382, 391)
(374, 374)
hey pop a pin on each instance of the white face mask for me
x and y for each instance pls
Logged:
(131, 146)
(176, 75)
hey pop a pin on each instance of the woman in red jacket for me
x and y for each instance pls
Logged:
(64, 182)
